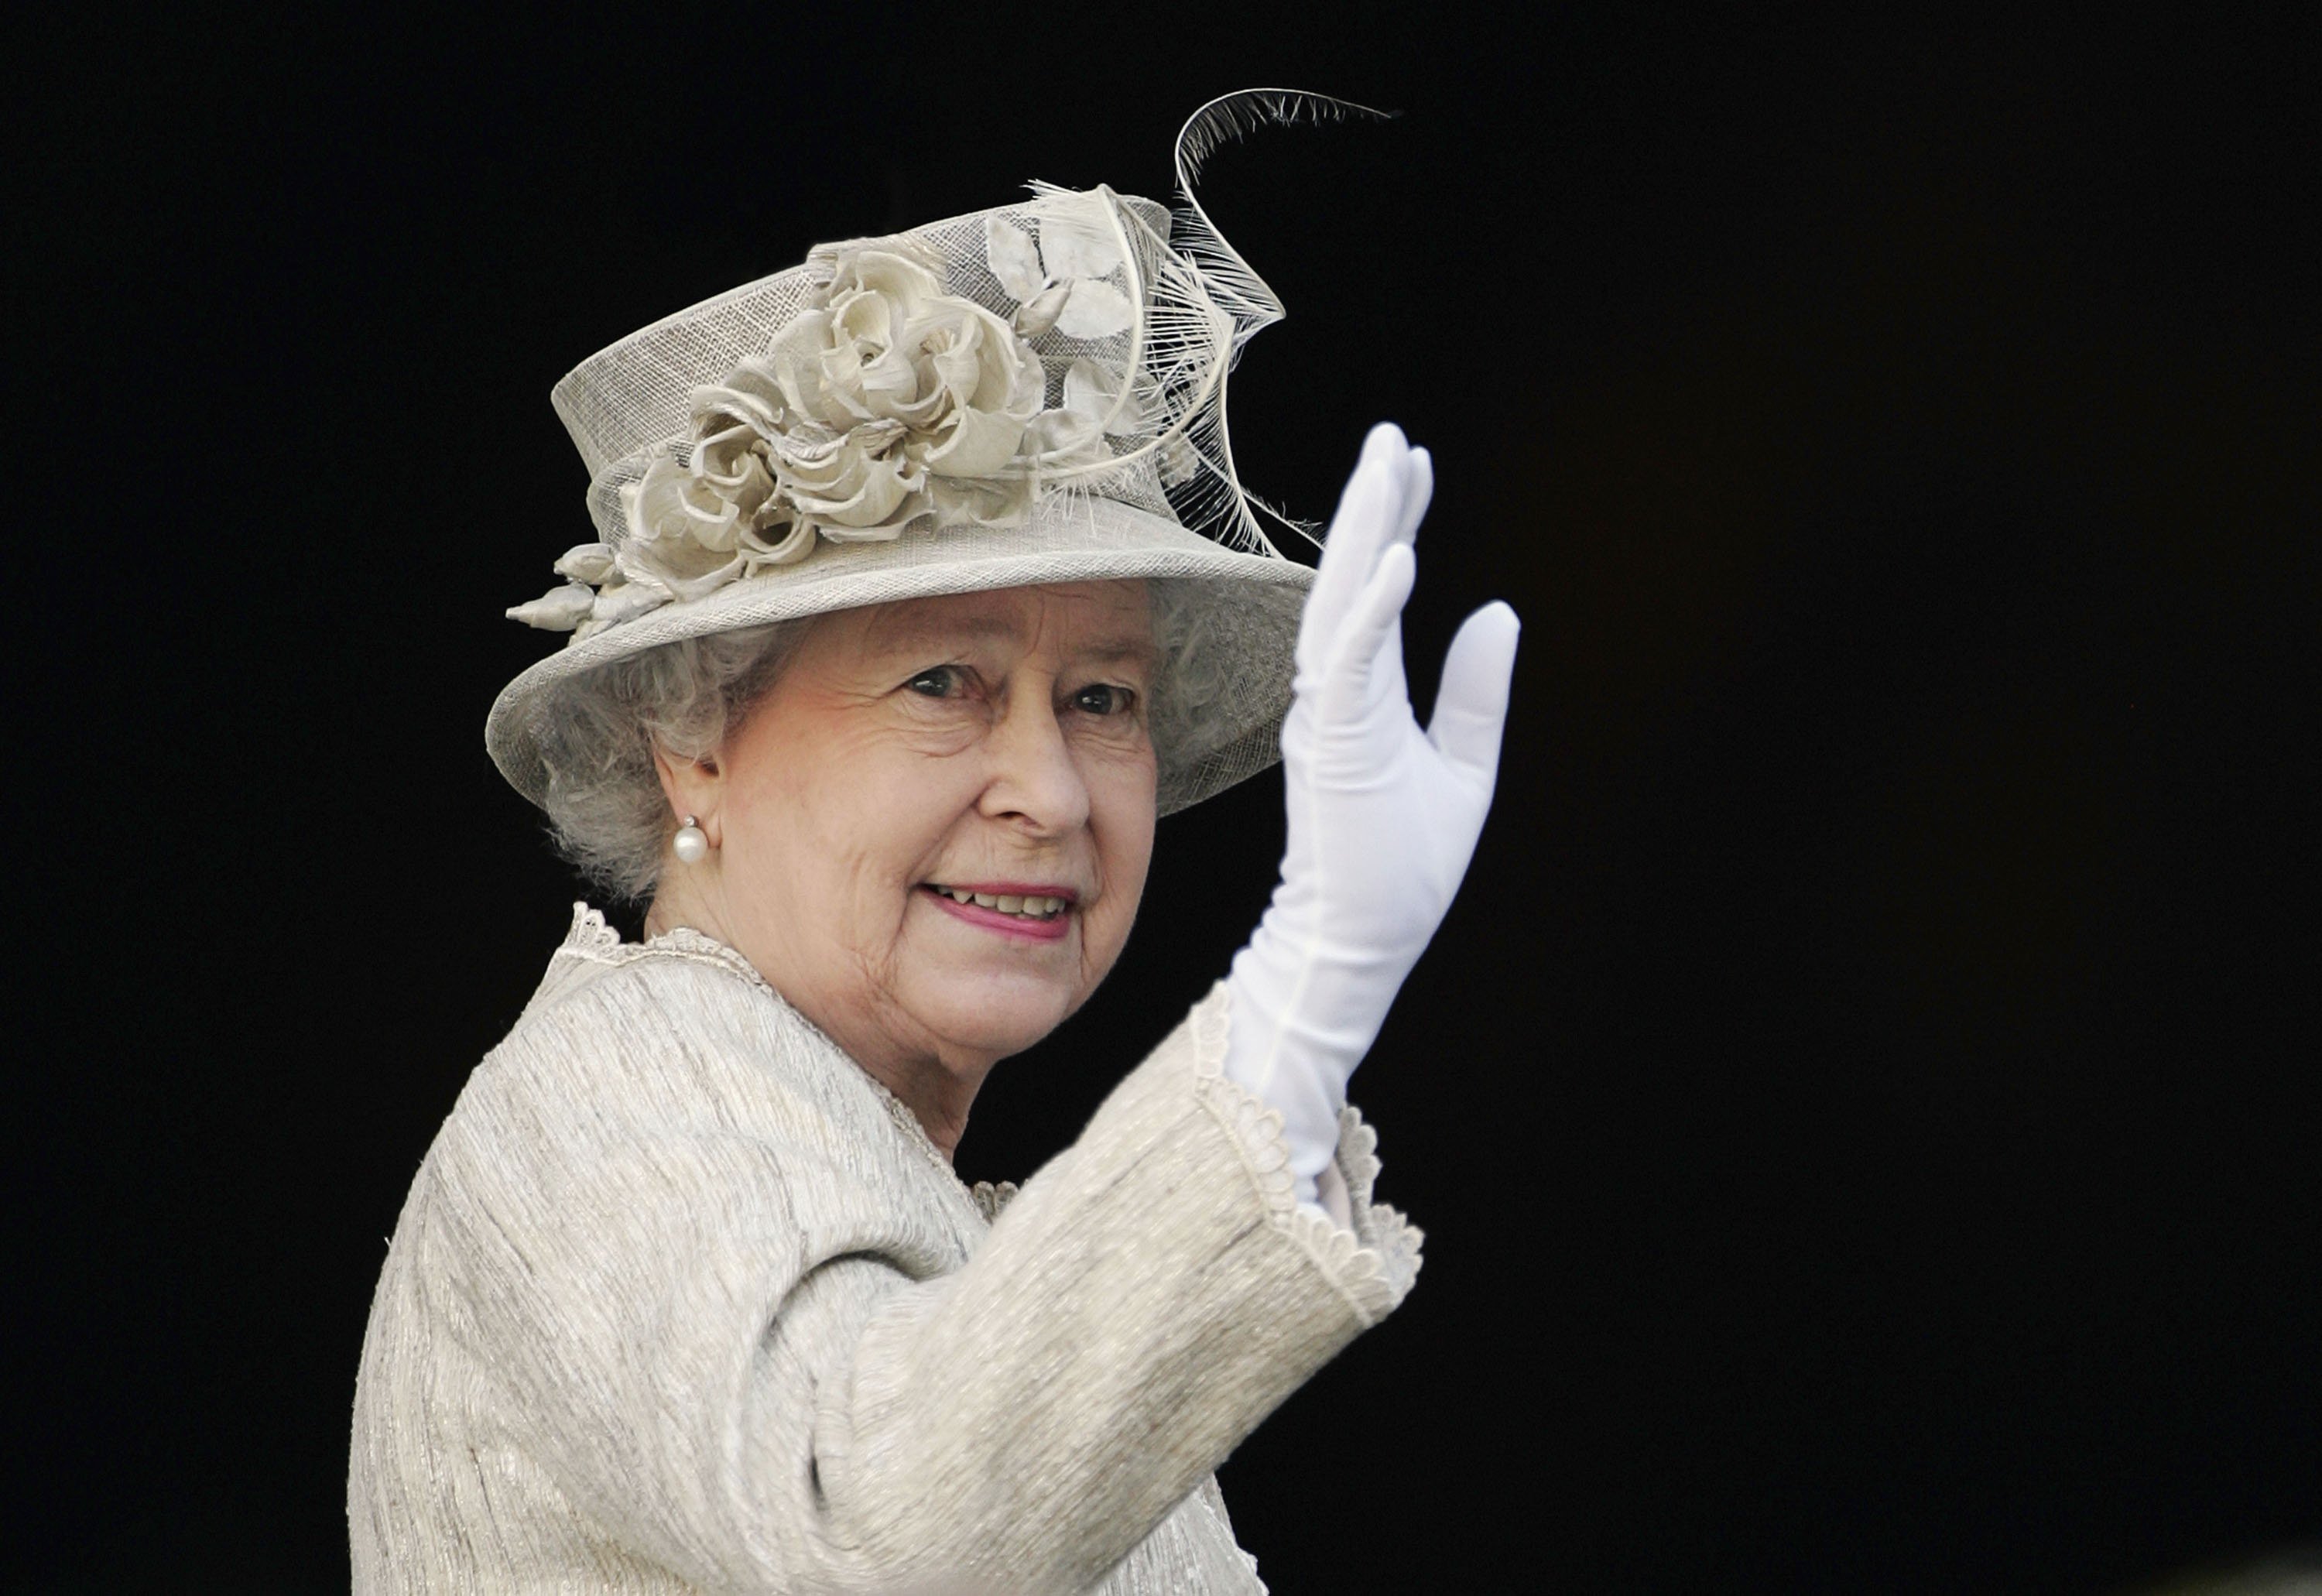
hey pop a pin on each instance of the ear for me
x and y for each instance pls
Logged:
(693, 787)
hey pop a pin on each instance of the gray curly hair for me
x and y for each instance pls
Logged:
(606, 808)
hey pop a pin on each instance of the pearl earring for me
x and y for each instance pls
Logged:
(692, 843)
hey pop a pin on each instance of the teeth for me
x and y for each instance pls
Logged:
(1036, 907)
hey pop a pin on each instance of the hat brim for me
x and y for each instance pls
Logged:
(1251, 604)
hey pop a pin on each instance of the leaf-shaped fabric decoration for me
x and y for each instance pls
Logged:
(1077, 245)
(1036, 315)
(624, 601)
(1014, 258)
(664, 568)
(1095, 310)
(1060, 438)
(1088, 390)
(586, 563)
(560, 609)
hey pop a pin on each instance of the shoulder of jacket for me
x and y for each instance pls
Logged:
(680, 1028)
(654, 1046)
(642, 978)
(662, 1019)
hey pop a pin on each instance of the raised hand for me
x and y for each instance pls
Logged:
(1383, 817)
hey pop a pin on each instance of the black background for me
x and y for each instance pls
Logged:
(1862, 1104)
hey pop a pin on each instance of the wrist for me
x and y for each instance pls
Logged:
(1303, 1014)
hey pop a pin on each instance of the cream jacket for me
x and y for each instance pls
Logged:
(683, 1301)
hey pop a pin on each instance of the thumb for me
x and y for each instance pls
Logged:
(1471, 706)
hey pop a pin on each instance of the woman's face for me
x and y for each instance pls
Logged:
(990, 745)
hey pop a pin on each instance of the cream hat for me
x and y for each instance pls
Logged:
(1032, 394)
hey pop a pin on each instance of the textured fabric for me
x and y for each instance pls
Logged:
(682, 1300)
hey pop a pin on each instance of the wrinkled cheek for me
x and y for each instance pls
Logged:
(878, 895)
(1126, 848)
(1102, 945)
(877, 969)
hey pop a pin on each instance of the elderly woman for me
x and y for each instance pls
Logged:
(893, 650)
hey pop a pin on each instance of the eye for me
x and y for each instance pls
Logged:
(937, 681)
(1103, 698)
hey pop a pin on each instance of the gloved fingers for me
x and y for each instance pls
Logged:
(1356, 663)
(1418, 489)
(1369, 514)
(1471, 705)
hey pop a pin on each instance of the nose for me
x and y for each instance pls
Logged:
(1034, 781)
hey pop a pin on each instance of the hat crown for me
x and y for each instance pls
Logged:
(635, 395)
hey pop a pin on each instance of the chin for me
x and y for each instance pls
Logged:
(997, 1015)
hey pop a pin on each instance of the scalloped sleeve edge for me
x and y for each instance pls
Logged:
(1372, 1265)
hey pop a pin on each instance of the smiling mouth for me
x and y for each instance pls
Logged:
(1035, 909)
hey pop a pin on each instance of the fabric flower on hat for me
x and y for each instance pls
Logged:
(852, 420)
(882, 401)
(697, 525)
(893, 395)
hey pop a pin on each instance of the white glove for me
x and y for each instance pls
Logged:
(1383, 818)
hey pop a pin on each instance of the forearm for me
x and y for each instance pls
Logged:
(1144, 1302)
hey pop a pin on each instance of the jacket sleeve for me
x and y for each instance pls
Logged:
(742, 1384)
